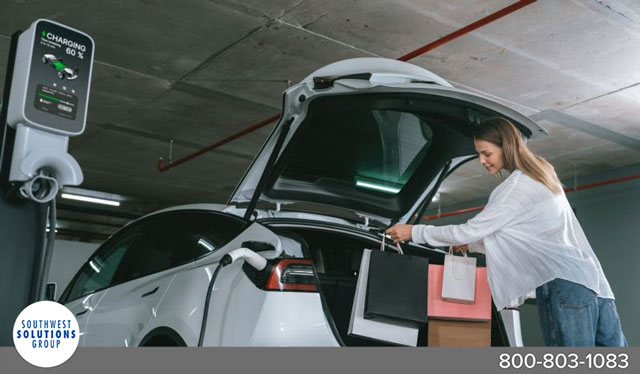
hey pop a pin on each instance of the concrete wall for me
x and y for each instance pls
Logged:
(66, 260)
(610, 217)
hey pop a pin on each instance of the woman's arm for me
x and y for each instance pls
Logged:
(490, 220)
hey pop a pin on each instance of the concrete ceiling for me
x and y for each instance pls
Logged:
(198, 71)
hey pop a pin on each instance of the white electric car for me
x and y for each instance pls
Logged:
(361, 144)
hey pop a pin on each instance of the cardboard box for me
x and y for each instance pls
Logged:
(450, 333)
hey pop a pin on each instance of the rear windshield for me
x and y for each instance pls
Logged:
(370, 153)
(373, 151)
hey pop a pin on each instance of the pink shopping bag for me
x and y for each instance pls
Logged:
(479, 310)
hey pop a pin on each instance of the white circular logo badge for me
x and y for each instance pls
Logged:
(46, 334)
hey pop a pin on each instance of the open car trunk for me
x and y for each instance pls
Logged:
(372, 144)
(336, 256)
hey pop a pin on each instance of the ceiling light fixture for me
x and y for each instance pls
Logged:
(88, 199)
(94, 266)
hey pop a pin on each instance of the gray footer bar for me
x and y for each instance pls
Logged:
(336, 360)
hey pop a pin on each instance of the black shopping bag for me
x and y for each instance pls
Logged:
(397, 288)
(386, 331)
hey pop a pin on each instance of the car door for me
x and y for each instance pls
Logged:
(182, 307)
(91, 283)
(166, 246)
(82, 308)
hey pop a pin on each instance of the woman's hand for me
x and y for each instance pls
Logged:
(399, 233)
(460, 248)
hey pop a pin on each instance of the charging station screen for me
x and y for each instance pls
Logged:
(57, 102)
(59, 77)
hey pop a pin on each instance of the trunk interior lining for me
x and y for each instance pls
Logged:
(336, 258)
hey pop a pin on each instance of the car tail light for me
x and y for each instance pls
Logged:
(292, 275)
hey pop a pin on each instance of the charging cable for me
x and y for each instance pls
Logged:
(45, 259)
(252, 258)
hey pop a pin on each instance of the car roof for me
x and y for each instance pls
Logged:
(202, 206)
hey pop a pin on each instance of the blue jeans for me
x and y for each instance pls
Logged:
(572, 315)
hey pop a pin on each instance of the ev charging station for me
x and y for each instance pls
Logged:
(45, 102)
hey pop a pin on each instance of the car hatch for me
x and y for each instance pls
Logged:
(372, 136)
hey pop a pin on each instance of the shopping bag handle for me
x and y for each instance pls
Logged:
(453, 270)
(398, 248)
(451, 251)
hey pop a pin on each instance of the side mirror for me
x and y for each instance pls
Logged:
(50, 292)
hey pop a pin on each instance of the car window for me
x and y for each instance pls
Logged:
(220, 230)
(169, 240)
(99, 270)
(391, 145)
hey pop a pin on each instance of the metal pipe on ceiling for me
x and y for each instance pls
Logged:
(163, 167)
(420, 51)
(566, 190)
(467, 29)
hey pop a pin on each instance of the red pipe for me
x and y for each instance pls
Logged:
(567, 190)
(467, 29)
(445, 39)
(454, 213)
(603, 183)
(163, 167)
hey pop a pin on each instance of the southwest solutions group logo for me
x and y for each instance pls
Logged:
(46, 334)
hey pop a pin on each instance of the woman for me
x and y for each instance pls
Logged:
(532, 242)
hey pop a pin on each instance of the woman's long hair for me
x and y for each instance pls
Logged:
(515, 154)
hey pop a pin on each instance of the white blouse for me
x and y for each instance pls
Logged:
(529, 236)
